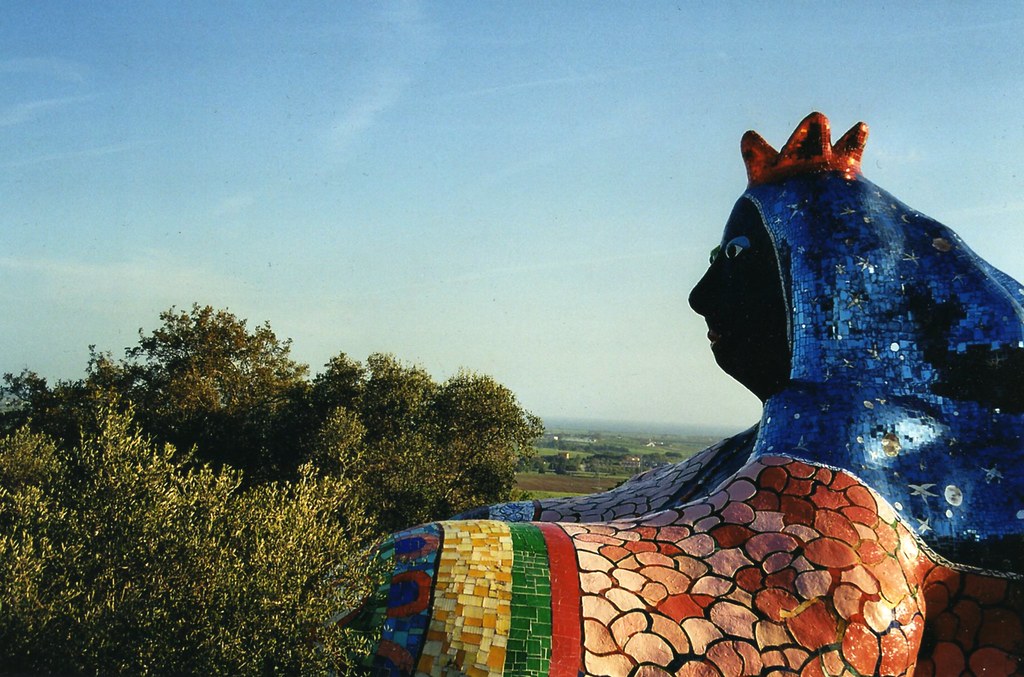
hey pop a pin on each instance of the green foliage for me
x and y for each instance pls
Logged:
(120, 558)
(416, 449)
(201, 506)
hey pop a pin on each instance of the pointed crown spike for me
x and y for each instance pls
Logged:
(808, 151)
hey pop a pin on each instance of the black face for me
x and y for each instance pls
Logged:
(741, 299)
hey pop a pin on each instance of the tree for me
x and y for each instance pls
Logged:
(203, 379)
(186, 509)
(118, 556)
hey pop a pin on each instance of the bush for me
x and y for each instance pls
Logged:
(120, 556)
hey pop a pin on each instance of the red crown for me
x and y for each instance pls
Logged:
(807, 152)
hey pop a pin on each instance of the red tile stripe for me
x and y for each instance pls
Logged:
(566, 633)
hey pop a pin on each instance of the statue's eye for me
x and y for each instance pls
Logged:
(736, 246)
(714, 253)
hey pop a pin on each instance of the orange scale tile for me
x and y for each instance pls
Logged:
(589, 561)
(752, 661)
(668, 549)
(775, 603)
(597, 639)
(733, 619)
(887, 538)
(814, 626)
(824, 497)
(896, 653)
(944, 626)
(775, 658)
(811, 584)
(842, 481)
(697, 669)
(924, 668)
(824, 475)
(891, 580)
(611, 664)
(985, 589)
(680, 607)
(799, 487)
(595, 582)
(860, 649)
(813, 668)
(773, 478)
(783, 578)
(613, 553)
(653, 593)
(701, 633)
(624, 599)
(764, 500)
(598, 609)
(862, 578)
(969, 614)
(698, 545)
(761, 546)
(730, 535)
(907, 610)
(647, 533)
(672, 631)
(727, 562)
(599, 538)
(833, 663)
(630, 580)
(949, 659)
(834, 524)
(861, 515)
(796, 510)
(627, 625)
(862, 496)
(672, 534)
(830, 552)
(725, 657)
(870, 552)
(650, 648)
(630, 563)
(800, 469)
(1001, 628)
(992, 661)
(671, 578)
(750, 578)
(684, 563)
(738, 513)
(641, 546)
(848, 601)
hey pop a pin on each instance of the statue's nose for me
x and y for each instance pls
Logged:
(701, 295)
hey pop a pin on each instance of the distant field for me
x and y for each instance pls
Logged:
(580, 445)
(548, 485)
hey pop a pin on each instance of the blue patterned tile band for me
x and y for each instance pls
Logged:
(907, 363)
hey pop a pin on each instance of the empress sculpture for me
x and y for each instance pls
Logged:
(870, 524)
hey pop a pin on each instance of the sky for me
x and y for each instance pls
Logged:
(527, 190)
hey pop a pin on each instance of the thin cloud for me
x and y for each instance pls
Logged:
(29, 110)
(98, 151)
(152, 277)
(400, 48)
(235, 204)
(60, 69)
(384, 92)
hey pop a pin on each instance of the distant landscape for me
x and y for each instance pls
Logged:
(581, 457)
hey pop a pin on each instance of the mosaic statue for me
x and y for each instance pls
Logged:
(872, 523)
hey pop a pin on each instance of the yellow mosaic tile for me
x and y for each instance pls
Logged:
(472, 601)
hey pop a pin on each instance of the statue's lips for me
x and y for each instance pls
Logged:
(713, 336)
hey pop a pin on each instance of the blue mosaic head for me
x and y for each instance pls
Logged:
(906, 349)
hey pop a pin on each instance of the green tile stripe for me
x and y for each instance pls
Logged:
(529, 641)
